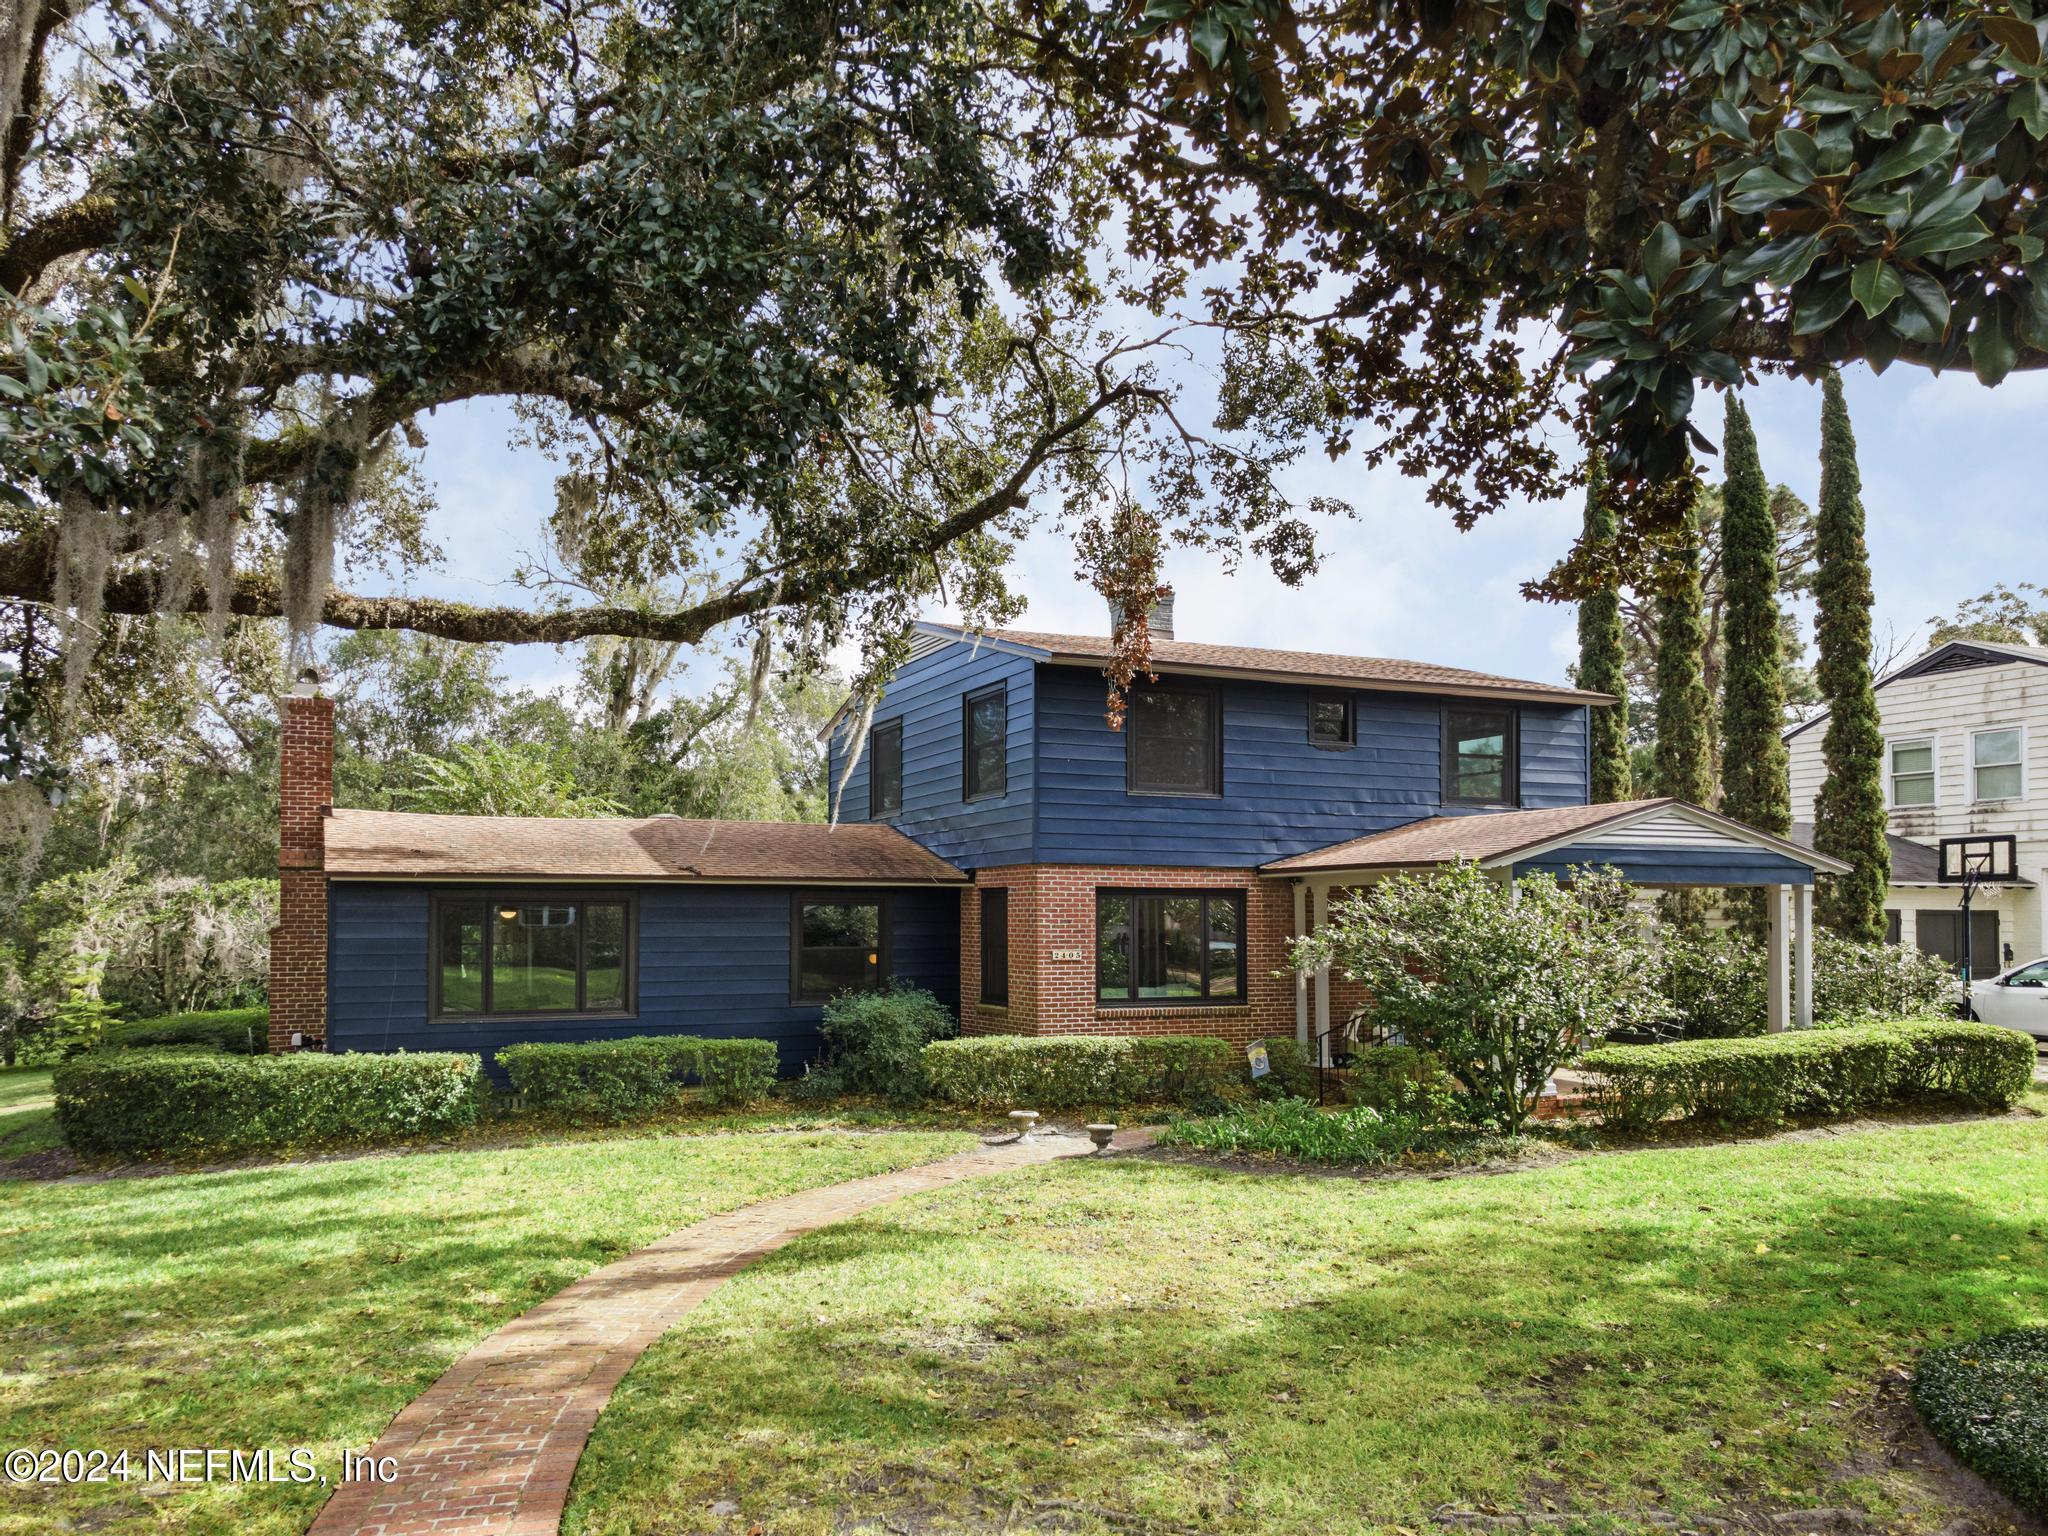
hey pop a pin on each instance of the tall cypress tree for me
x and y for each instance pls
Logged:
(1755, 782)
(1684, 757)
(1600, 652)
(1848, 818)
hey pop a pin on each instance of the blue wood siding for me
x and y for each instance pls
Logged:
(1652, 865)
(927, 695)
(1554, 747)
(1280, 794)
(713, 959)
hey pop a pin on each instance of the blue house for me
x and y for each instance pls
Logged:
(995, 840)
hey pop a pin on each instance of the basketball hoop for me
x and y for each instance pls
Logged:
(1971, 862)
(1978, 860)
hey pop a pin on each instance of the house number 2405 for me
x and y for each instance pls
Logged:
(1067, 954)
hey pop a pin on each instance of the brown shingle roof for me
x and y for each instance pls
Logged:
(1448, 839)
(407, 845)
(1366, 671)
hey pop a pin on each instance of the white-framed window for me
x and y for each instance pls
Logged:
(1997, 763)
(1910, 771)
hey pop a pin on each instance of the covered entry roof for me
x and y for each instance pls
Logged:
(407, 845)
(1655, 842)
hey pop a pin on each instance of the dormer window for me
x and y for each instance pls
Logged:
(1479, 755)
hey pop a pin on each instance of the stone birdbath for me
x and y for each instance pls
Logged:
(1026, 1120)
(1100, 1133)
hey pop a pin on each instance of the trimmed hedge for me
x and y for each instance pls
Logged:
(245, 1031)
(1069, 1071)
(183, 1103)
(1766, 1079)
(638, 1075)
(1987, 1400)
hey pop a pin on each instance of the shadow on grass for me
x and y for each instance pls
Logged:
(1285, 1368)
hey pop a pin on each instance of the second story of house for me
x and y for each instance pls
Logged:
(995, 749)
(1963, 727)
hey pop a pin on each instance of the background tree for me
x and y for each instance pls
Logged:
(2011, 615)
(1600, 654)
(807, 304)
(1848, 817)
(1685, 713)
(1793, 558)
(1699, 192)
(1755, 774)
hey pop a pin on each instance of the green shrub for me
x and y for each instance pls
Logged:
(637, 1075)
(1766, 1079)
(244, 1031)
(1069, 1071)
(1290, 1076)
(1294, 1129)
(185, 1102)
(1401, 1080)
(736, 1073)
(1987, 1400)
(874, 1040)
(1718, 988)
(1716, 985)
(1877, 981)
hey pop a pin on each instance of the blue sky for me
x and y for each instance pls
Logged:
(1949, 485)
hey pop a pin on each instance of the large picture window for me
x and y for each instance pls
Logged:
(836, 944)
(985, 751)
(1169, 947)
(885, 769)
(510, 953)
(1173, 742)
(1479, 755)
(995, 945)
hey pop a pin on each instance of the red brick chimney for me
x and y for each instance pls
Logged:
(298, 944)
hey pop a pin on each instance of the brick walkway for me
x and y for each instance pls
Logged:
(488, 1450)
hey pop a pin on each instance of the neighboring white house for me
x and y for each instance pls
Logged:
(1966, 751)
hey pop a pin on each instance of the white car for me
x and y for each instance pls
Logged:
(2018, 999)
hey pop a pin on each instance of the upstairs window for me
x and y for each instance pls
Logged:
(1169, 947)
(1173, 742)
(1995, 765)
(995, 945)
(1331, 723)
(1479, 755)
(520, 953)
(837, 944)
(986, 729)
(1912, 771)
(885, 769)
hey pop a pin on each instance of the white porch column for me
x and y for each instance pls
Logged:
(1301, 977)
(1321, 892)
(1802, 956)
(1776, 1012)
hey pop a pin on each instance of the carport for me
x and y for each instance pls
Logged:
(1658, 844)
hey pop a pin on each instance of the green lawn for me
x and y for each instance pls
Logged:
(26, 1123)
(1130, 1344)
(303, 1305)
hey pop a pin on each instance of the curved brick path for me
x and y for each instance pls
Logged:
(488, 1449)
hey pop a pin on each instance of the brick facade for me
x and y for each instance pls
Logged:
(1052, 907)
(298, 944)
